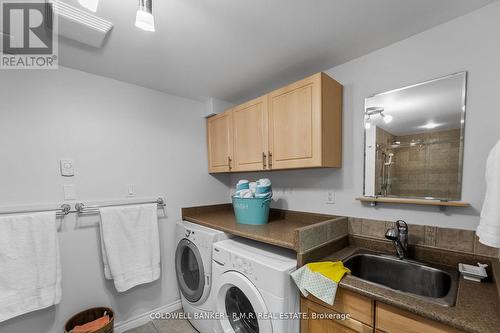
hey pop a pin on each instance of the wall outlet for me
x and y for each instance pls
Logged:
(330, 197)
(130, 190)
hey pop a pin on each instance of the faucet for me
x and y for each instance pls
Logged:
(399, 237)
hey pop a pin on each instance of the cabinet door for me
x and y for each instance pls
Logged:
(295, 125)
(392, 320)
(250, 135)
(321, 319)
(327, 326)
(220, 142)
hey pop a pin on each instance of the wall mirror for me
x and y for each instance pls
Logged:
(414, 140)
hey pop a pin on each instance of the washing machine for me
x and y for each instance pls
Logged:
(193, 267)
(253, 288)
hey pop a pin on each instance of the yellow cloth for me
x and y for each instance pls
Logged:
(335, 271)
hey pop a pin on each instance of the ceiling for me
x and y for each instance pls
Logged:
(439, 102)
(238, 49)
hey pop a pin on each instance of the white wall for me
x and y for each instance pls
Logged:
(117, 134)
(469, 43)
(215, 105)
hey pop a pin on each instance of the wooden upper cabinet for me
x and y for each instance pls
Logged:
(250, 135)
(220, 142)
(305, 124)
(297, 126)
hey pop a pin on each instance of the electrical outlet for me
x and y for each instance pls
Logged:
(131, 190)
(330, 197)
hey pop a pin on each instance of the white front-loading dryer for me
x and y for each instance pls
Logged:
(253, 289)
(193, 267)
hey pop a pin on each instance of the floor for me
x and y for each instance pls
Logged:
(165, 326)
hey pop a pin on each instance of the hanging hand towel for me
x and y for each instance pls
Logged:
(130, 244)
(320, 279)
(488, 230)
(30, 266)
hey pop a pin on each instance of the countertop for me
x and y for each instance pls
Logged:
(298, 231)
(476, 308)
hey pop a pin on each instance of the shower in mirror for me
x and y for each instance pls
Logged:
(414, 140)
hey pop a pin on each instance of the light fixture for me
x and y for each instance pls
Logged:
(374, 110)
(89, 4)
(144, 18)
(430, 125)
(387, 118)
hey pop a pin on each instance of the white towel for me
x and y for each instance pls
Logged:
(244, 193)
(264, 182)
(130, 244)
(253, 187)
(488, 230)
(30, 265)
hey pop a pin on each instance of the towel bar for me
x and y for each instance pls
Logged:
(62, 211)
(81, 208)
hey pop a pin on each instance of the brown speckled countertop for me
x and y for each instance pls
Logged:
(476, 308)
(298, 231)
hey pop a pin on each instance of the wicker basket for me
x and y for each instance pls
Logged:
(90, 315)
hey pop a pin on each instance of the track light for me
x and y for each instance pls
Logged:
(144, 18)
(387, 118)
(374, 110)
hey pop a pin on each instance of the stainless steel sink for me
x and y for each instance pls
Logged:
(407, 276)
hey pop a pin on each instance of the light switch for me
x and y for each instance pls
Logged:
(67, 169)
(69, 192)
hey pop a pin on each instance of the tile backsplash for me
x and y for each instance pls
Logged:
(422, 235)
(321, 233)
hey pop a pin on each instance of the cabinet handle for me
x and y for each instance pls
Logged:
(229, 162)
(270, 159)
(264, 160)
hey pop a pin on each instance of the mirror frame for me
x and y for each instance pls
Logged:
(462, 135)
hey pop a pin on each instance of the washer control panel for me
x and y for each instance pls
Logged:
(242, 265)
(199, 240)
(267, 269)
(234, 262)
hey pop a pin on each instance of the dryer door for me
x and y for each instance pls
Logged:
(244, 308)
(189, 270)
